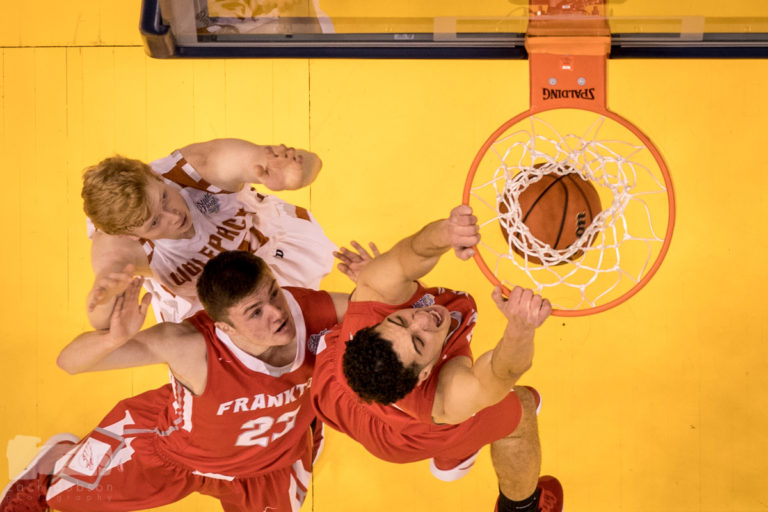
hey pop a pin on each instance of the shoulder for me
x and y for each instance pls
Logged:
(455, 382)
(214, 151)
(223, 163)
(174, 341)
(319, 308)
(170, 333)
(185, 351)
(455, 367)
(197, 153)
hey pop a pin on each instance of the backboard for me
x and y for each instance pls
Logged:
(440, 28)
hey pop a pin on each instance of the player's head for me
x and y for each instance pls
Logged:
(385, 362)
(241, 295)
(122, 196)
(290, 168)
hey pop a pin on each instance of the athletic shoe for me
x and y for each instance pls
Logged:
(551, 498)
(26, 493)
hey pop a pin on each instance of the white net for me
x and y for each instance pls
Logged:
(615, 251)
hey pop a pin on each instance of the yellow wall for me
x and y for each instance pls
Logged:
(658, 404)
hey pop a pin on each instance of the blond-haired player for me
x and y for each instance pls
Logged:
(166, 219)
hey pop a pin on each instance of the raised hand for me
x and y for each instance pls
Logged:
(352, 263)
(108, 286)
(284, 168)
(464, 232)
(278, 157)
(524, 309)
(128, 314)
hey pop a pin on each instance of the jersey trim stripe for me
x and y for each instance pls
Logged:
(184, 174)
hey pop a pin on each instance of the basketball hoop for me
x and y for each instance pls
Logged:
(569, 129)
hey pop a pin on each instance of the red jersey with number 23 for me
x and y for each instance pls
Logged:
(252, 417)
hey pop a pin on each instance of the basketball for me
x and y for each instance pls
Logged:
(557, 209)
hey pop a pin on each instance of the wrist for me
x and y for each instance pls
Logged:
(113, 340)
(433, 240)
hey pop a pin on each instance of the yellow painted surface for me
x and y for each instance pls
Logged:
(74, 22)
(659, 404)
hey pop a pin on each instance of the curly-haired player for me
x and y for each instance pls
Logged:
(404, 350)
(373, 369)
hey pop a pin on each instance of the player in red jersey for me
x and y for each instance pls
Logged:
(235, 421)
(398, 376)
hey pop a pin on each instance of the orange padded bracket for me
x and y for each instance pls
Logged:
(568, 43)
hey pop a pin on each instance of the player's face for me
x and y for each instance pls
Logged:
(289, 168)
(417, 334)
(262, 321)
(169, 217)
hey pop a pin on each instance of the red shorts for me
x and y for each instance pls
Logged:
(118, 466)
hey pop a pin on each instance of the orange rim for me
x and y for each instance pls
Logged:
(670, 199)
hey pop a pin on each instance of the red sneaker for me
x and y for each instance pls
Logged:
(551, 498)
(26, 493)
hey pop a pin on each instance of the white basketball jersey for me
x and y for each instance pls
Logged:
(287, 237)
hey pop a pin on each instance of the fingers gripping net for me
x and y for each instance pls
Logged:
(615, 251)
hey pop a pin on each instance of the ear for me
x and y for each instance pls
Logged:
(224, 326)
(425, 373)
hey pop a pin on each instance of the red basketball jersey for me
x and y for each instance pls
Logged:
(252, 417)
(330, 385)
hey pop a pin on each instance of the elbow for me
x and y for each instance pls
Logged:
(66, 365)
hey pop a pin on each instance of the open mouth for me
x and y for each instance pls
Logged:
(437, 315)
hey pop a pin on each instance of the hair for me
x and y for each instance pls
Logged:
(374, 370)
(226, 279)
(114, 194)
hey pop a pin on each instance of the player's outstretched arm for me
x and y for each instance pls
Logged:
(118, 346)
(231, 163)
(115, 260)
(464, 389)
(124, 345)
(391, 277)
